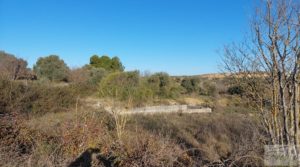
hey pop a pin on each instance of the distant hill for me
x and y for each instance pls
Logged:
(206, 76)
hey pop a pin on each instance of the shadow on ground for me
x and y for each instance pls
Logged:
(86, 159)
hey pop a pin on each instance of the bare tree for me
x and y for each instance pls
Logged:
(267, 67)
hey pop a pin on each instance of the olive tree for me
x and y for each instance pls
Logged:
(52, 68)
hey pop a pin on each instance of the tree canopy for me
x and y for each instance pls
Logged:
(107, 63)
(52, 68)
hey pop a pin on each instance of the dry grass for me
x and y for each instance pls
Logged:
(211, 137)
(88, 135)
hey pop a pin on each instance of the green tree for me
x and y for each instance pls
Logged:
(106, 63)
(52, 68)
(116, 64)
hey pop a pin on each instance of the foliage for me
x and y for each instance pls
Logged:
(160, 83)
(122, 85)
(208, 88)
(12, 67)
(96, 75)
(52, 68)
(190, 84)
(34, 98)
(131, 86)
(110, 64)
(86, 79)
(235, 90)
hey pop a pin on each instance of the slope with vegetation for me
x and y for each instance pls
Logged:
(57, 116)
(49, 121)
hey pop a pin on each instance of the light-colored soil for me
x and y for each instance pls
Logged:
(111, 106)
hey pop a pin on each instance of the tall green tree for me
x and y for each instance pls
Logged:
(106, 63)
(116, 64)
(52, 68)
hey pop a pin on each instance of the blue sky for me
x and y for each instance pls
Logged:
(180, 37)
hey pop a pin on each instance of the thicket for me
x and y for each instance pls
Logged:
(107, 75)
(191, 85)
(13, 68)
(131, 86)
(42, 135)
(235, 90)
(34, 98)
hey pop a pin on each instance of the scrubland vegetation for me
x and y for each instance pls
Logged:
(48, 119)
(53, 115)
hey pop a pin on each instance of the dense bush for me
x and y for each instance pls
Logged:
(162, 85)
(208, 88)
(52, 68)
(158, 82)
(96, 75)
(190, 84)
(51, 99)
(122, 85)
(13, 68)
(235, 90)
(34, 98)
(86, 79)
(131, 86)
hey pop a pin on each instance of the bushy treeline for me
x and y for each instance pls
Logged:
(27, 136)
(135, 88)
(104, 76)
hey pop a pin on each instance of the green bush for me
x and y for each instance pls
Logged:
(121, 85)
(131, 86)
(52, 68)
(160, 84)
(208, 89)
(85, 80)
(190, 84)
(235, 90)
(96, 75)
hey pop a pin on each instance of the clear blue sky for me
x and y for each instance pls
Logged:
(180, 37)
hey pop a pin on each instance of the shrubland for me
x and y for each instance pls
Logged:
(54, 115)
(49, 121)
